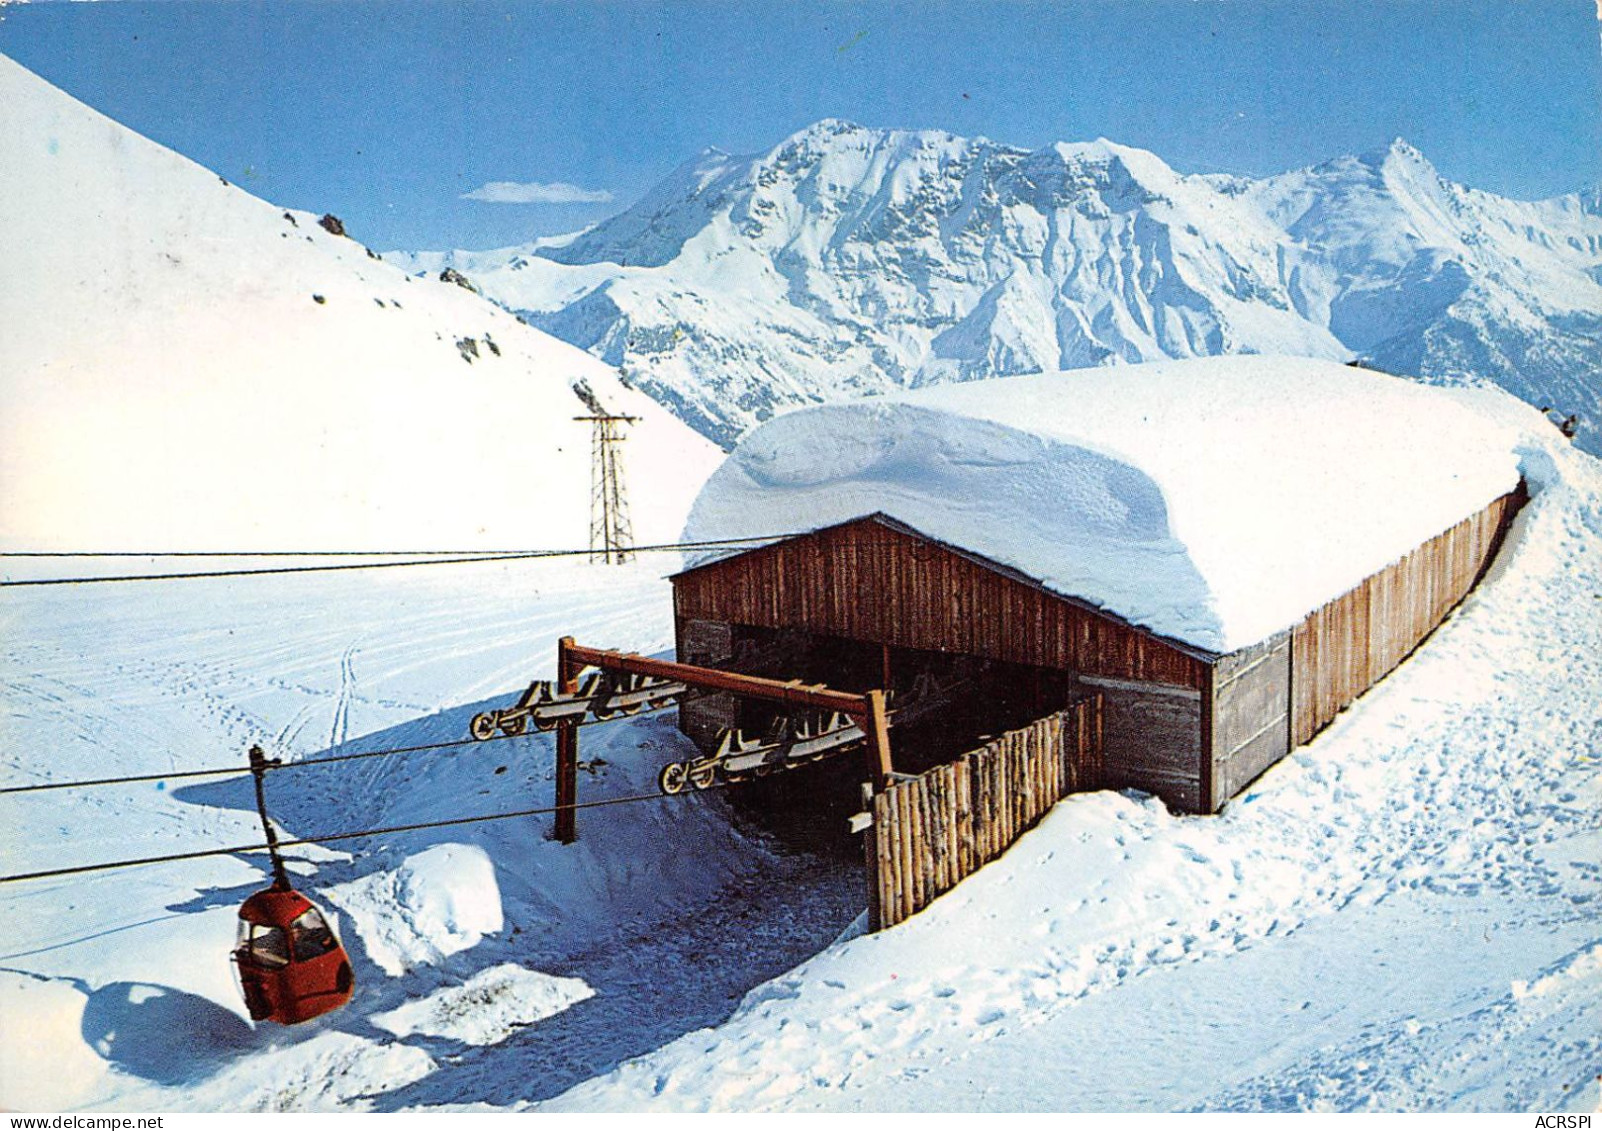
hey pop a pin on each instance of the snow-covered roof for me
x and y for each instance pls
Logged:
(1215, 501)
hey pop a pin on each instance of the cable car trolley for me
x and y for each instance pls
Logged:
(291, 965)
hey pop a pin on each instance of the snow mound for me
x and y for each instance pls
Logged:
(331, 1071)
(439, 902)
(1215, 501)
(488, 1007)
(187, 367)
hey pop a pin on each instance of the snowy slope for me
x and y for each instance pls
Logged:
(189, 367)
(115, 988)
(848, 260)
(1401, 916)
(1215, 501)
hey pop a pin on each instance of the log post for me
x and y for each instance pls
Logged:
(566, 749)
(877, 729)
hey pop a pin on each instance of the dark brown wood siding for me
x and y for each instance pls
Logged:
(1342, 649)
(1154, 739)
(869, 581)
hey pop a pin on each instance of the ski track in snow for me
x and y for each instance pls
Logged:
(347, 684)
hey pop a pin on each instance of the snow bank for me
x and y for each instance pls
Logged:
(1216, 501)
(439, 902)
(46, 1066)
(488, 1007)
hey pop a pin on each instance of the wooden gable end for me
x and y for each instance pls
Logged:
(875, 580)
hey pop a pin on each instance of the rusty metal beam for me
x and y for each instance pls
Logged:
(876, 726)
(756, 687)
(867, 711)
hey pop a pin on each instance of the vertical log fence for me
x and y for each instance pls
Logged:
(932, 831)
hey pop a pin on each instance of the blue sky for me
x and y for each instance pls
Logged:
(389, 113)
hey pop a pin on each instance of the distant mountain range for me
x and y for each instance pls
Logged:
(849, 260)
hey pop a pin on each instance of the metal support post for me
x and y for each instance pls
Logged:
(259, 763)
(566, 749)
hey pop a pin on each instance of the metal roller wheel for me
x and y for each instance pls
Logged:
(514, 725)
(672, 778)
(483, 725)
(703, 777)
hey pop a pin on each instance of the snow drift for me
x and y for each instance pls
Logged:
(188, 367)
(1216, 500)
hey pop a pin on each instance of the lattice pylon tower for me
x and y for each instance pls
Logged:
(611, 533)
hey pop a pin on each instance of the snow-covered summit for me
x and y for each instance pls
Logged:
(1215, 501)
(187, 367)
(848, 259)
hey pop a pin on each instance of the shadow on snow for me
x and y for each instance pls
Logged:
(670, 910)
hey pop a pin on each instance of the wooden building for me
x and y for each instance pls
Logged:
(1227, 550)
(862, 602)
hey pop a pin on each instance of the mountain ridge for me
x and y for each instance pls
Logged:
(848, 260)
(187, 367)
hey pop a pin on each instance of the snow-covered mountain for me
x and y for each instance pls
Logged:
(187, 367)
(849, 260)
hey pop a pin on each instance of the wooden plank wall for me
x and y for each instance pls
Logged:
(866, 580)
(933, 830)
(1152, 739)
(1344, 648)
(704, 716)
(1250, 724)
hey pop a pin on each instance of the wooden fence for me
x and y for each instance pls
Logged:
(932, 831)
(1341, 650)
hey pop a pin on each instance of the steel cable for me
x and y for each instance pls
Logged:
(521, 555)
(331, 837)
(220, 771)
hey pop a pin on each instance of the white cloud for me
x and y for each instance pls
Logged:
(533, 192)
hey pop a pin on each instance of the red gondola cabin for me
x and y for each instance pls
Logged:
(291, 965)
